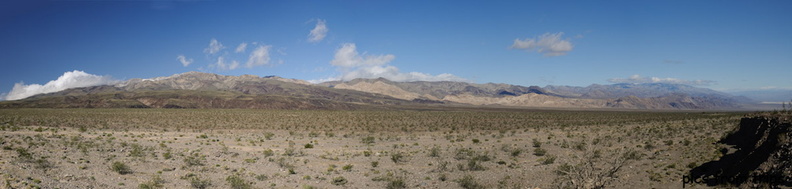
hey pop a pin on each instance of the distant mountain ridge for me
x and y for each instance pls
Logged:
(768, 95)
(641, 90)
(623, 95)
(439, 89)
(206, 90)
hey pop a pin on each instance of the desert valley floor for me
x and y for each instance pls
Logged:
(454, 148)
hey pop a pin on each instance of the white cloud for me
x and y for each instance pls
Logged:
(214, 47)
(392, 73)
(260, 56)
(319, 32)
(315, 81)
(639, 79)
(241, 48)
(353, 65)
(547, 44)
(72, 79)
(222, 65)
(224, 61)
(347, 56)
(184, 61)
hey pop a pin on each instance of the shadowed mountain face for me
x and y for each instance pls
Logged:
(206, 90)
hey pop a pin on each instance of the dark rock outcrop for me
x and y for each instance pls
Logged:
(763, 156)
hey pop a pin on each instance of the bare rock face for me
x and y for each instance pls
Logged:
(763, 156)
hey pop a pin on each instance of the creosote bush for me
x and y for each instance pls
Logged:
(338, 181)
(120, 168)
(155, 182)
(200, 183)
(368, 140)
(238, 182)
(398, 157)
(469, 182)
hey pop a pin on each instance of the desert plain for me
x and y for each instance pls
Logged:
(421, 148)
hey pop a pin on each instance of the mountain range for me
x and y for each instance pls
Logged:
(206, 90)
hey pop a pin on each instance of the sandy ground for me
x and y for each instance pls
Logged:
(68, 157)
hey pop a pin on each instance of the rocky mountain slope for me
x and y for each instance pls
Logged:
(206, 90)
(628, 96)
(433, 90)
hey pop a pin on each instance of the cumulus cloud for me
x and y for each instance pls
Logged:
(241, 48)
(72, 79)
(347, 56)
(319, 32)
(223, 65)
(640, 79)
(214, 47)
(547, 44)
(392, 73)
(225, 61)
(259, 57)
(354, 65)
(184, 61)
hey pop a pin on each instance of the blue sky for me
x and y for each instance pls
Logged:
(723, 45)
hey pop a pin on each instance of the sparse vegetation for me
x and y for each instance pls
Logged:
(469, 182)
(539, 152)
(231, 148)
(194, 159)
(592, 170)
(398, 157)
(368, 140)
(155, 182)
(347, 167)
(238, 182)
(120, 168)
(339, 181)
(200, 183)
(434, 152)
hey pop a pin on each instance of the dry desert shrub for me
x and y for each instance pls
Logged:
(592, 170)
